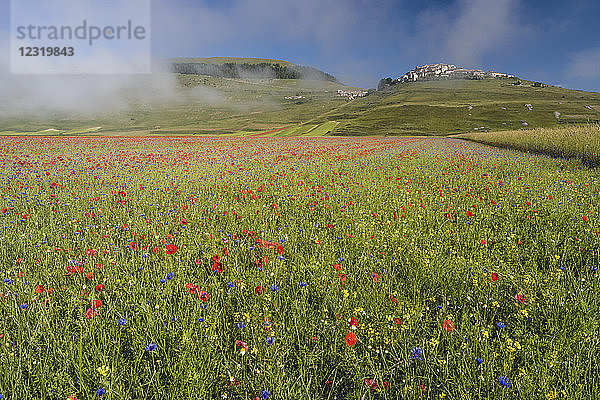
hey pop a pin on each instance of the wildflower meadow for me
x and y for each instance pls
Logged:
(295, 268)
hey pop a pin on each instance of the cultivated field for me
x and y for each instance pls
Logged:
(581, 142)
(286, 268)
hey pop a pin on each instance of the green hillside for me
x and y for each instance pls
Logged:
(461, 106)
(247, 68)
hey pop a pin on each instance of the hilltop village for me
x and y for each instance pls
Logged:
(441, 71)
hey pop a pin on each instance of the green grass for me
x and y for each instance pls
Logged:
(310, 221)
(581, 142)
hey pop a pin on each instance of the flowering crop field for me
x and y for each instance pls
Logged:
(282, 268)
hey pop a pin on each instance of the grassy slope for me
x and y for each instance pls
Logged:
(442, 107)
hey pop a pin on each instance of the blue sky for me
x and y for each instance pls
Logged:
(361, 41)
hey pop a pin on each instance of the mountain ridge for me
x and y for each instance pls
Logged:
(247, 68)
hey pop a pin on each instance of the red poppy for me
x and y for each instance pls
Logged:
(217, 267)
(259, 290)
(520, 298)
(96, 303)
(338, 267)
(448, 325)
(170, 248)
(191, 288)
(99, 288)
(495, 276)
(39, 289)
(133, 245)
(90, 275)
(203, 296)
(375, 276)
(279, 249)
(397, 321)
(351, 339)
(483, 241)
(371, 383)
(469, 213)
(90, 313)
(353, 323)
(584, 218)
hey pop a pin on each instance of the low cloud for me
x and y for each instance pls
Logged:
(45, 94)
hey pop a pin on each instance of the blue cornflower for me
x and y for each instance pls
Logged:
(265, 395)
(151, 347)
(240, 325)
(416, 353)
(505, 382)
(501, 325)
(24, 306)
(270, 340)
(230, 284)
(7, 281)
(162, 280)
(303, 284)
(170, 276)
(200, 319)
(479, 361)
(275, 288)
(122, 321)
(100, 392)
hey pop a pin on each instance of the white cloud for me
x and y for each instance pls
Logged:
(467, 31)
(585, 64)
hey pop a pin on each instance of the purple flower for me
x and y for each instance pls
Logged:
(505, 382)
(416, 353)
(151, 347)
